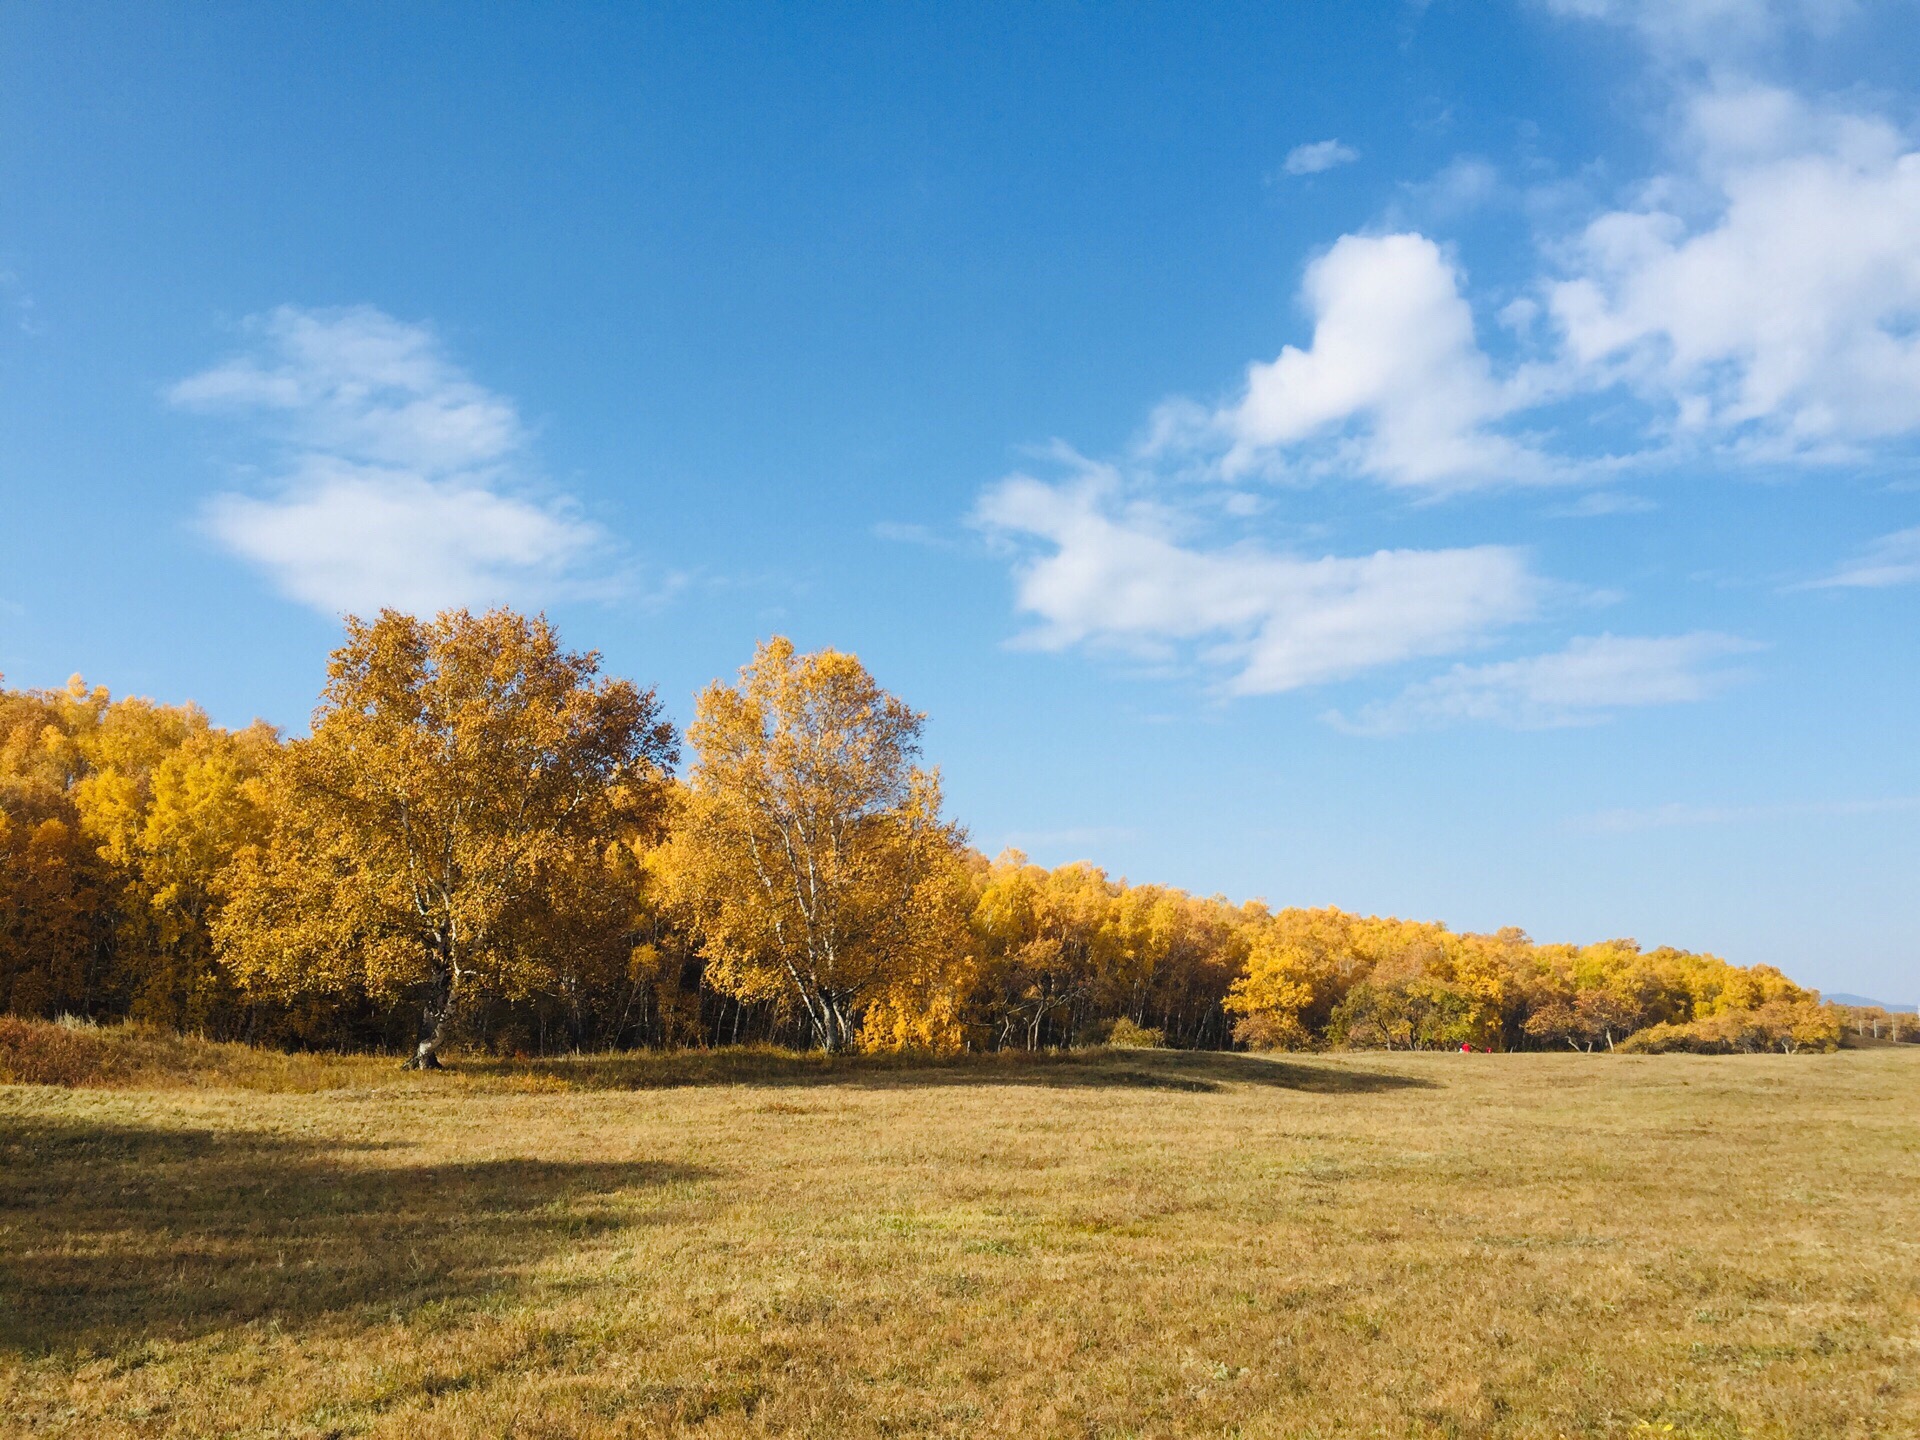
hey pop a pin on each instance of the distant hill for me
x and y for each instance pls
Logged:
(1839, 999)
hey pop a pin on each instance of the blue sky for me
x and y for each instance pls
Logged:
(1452, 460)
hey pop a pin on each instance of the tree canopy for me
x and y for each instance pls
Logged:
(807, 851)
(453, 826)
(482, 837)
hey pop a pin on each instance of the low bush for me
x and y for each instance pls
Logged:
(34, 1052)
(1126, 1035)
(1787, 1026)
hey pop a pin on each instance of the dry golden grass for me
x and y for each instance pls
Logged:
(79, 1054)
(1126, 1243)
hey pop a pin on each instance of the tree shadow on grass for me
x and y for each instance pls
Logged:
(1194, 1071)
(114, 1234)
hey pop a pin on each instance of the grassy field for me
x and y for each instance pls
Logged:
(1126, 1243)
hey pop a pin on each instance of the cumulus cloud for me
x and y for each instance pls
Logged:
(1581, 685)
(1891, 560)
(1393, 375)
(396, 474)
(1320, 155)
(1758, 299)
(1785, 321)
(1102, 573)
(1761, 296)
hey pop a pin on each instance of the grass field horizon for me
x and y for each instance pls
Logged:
(1108, 1243)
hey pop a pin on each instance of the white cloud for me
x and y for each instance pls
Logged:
(360, 538)
(1319, 156)
(1115, 576)
(1760, 300)
(1710, 30)
(361, 385)
(1784, 321)
(1891, 560)
(1394, 375)
(1580, 685)
(395, 471)
(1762, 296)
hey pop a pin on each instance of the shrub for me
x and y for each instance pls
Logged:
(1694, 1039)
(1784, 1025)
(1126, 1035)
(1265, 1030)
(38, 1053)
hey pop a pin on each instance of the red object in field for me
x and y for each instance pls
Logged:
(1466, 1047)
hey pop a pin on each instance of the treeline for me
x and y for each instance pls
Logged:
(483, 839)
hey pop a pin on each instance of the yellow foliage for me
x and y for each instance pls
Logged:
(808, 854)
(455, 822)
(480, 827)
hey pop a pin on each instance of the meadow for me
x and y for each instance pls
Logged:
(211, 1241)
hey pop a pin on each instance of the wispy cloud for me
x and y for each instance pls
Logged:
(14, 297)
(1667, 817)
(1096, 571)
(1584, 684)
(897, 532)
(1891, 560)
(1597, 503)
(1072, 837)
(1320, 155)
(398, 480)
(1715, 31)
(1461, 186)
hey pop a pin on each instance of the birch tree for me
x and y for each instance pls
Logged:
(807, 849)
(464, 781)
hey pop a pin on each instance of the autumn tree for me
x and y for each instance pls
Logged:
(1300, 965)
(1173, 958)
(452, 827)
(116, 819)
(1047, 943)
(470, 836)
(167, 801)
(808, 854)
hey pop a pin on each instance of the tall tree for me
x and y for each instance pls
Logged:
(807, 849)
(1048, 946)
(168, 799)
(440, 830)
(116, 817)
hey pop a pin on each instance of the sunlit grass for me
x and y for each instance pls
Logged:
(1123, 1243)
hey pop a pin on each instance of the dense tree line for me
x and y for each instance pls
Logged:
(483, 838)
